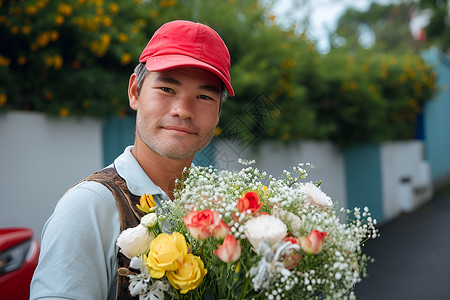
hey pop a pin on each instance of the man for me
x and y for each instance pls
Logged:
(177, 91)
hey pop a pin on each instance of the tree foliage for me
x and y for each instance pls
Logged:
(74, 57)
(438, 29)
(388, 25)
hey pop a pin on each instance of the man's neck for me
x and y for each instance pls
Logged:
(161, 170)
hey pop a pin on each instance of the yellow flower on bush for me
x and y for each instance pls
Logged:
(43, 39)
(57, 61)
(14, 29)
(4, 61)
(59, 20)
(114, 8)
(288, 63)
(286, 136)
(125, 58)
(189, 275)
(31, 10)
(54, 35)
(26, 30)
(123, 37)
(65, 9)
(41, 4)
(21, 60)
(64, 112)
(168, 3)
(99, 48)
(217, 131)
(166, 253)
(107, 21)
(3, 99)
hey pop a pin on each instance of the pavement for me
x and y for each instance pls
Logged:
(412, 255)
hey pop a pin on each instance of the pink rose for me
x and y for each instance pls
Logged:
(221, 230)
(313, 243)
(249, 202)
(201, 224)
(230, 250)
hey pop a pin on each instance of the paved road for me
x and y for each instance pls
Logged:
(412, 256)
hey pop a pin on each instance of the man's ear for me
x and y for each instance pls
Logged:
(133, 92)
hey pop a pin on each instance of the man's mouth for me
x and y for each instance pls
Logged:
(179, 129)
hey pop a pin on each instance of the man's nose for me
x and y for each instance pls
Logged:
(183, 107)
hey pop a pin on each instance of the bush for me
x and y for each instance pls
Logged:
(75, 57)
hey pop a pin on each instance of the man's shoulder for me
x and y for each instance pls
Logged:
(88, 193)
(91, 187)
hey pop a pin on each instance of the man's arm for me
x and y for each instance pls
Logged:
(78, 251)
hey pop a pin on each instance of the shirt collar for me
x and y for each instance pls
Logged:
(137, 181)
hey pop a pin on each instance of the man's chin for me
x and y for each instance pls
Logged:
(176, 151)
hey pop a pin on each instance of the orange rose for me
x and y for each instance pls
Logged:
(201, 224)
(249, 202)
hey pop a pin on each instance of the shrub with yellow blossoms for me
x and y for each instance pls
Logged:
(59, 56)
(74, 57)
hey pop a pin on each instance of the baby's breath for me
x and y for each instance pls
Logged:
(330, 274)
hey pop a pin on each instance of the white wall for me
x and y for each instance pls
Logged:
(40, 158)
(404, 160)
(274, 157)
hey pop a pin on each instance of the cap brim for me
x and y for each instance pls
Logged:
(167, 62)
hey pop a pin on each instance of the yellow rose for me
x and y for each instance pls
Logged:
(166, 254)
(189, 274)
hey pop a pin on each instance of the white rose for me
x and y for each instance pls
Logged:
(149, 220)
(265, 227)
(134, 241)
(315, 196)
(294, 221)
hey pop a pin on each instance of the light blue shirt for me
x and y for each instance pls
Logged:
(78, 258)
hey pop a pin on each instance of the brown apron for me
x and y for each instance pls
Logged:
(129, 214)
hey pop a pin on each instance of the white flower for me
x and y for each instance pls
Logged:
(155, 291)
(134, 241)
(314, 195)
(265, 227)
(149, 220)
(138, 285)
(291, 219)
(143, 285)
(270, 264)
(138, 264)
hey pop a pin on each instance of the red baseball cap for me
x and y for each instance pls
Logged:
(179, 44)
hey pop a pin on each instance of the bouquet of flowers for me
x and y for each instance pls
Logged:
(245, 235)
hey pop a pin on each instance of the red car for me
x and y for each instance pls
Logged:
(19, 254)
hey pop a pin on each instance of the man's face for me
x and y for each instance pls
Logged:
(177, 111)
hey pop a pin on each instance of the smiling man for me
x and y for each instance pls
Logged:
(177, 91)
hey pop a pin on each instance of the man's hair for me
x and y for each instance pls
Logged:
(141, 72)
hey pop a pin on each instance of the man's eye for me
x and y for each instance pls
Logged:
(205, 97)
(166, 89)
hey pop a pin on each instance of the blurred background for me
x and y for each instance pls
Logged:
(357, 88)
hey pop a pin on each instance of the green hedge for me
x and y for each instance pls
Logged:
(74, 57)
